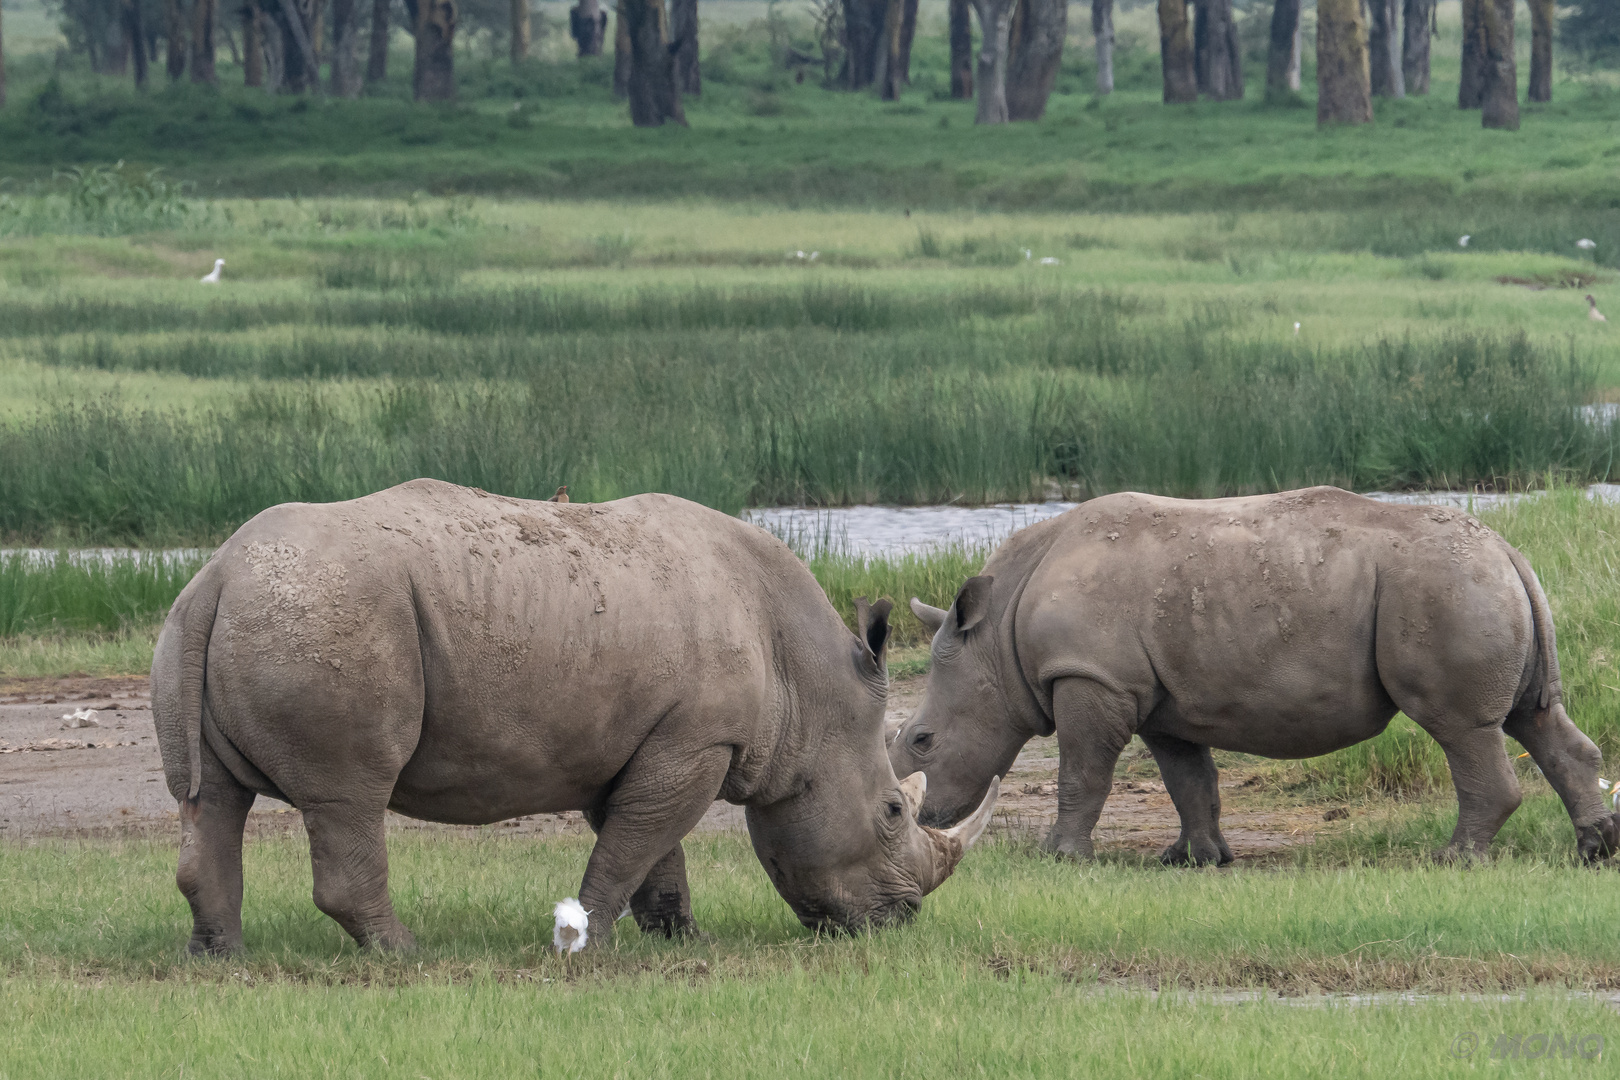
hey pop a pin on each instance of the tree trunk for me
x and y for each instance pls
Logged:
(995, 27)
(377, 47)
(683, 42)
(1415, 46)
(1543, 20)
(886, 63)
(300, 70)
(908, 34)
(1102, 28)
(961, 50)
(252, 44)
(1383, 49)
(1280, 48)
(1218, 59)
(654, 96)
(587, 25)
(518, 14)
(1035, 49)
(1471, 82)
(621, 53)
(135, 28)
(174, 31)
(1501, 102)
(864, 23)
(1176, 53)
(345, 48)
(1343, 90)
(203, 15)
(435, 72)
(1296, 60)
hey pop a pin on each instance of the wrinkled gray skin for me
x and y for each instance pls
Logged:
(1284, 625)
(461, 657)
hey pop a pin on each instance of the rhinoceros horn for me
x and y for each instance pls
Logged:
(950, 844)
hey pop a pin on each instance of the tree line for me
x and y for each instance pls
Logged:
(1364, 48)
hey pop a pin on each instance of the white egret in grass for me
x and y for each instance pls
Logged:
(1585, 245)
(212, 277)
(1049, 261)
(570, 932)
(1591, 309)
(1462, 241)
(1296, 329)
(1028, 254)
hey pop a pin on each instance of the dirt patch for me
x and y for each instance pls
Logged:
(107, 779)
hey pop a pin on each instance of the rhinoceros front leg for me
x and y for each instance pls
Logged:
(1193, 782)
(661, 795)
(1093, 725)
(1570, 761)
(663, 904)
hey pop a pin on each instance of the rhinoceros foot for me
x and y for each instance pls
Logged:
(1597, 842)
(1205, 851)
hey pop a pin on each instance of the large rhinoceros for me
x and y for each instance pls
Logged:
(1285, 625)
(462, 657)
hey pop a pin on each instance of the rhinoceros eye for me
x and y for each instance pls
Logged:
(922, 739)
(895, 809)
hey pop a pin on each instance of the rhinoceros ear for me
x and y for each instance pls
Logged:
(973, 602)
(872, 624)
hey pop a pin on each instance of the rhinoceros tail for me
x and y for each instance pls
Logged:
(183, 657)
(1552, 684)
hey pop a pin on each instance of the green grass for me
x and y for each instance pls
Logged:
(757, 134)
(1017, 965)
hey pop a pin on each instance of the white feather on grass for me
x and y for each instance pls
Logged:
(570, 934)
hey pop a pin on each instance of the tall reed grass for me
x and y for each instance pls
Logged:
(986, 413)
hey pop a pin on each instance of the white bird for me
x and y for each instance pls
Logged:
(1462, 241)
(569, 935)
(1296, 329)
(1585, 245)
(814, 255)
(1049, 261)
(1592, 312)
(212, 277)
(798, 254)
(1028, 254)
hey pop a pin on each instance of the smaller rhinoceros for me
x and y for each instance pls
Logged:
(466, 658)
(1286, 625)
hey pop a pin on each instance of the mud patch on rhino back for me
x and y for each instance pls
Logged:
(302, 602)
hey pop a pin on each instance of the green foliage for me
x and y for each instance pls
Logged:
(1592, 31)
(101, 200)
(88, 591)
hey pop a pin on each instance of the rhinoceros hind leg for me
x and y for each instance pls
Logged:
(1193, 782)
(1093, 725)
(350, 861)
(210, 871)
(1487, 790)
(1570, 761)
(663, 904)
(661, 795)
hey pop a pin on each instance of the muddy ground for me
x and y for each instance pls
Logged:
(60, 780)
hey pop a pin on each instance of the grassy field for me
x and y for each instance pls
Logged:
(1019, 965)
(805, 297)
(689, 349)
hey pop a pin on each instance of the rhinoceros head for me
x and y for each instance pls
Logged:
(845, 850)
(962, 737)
